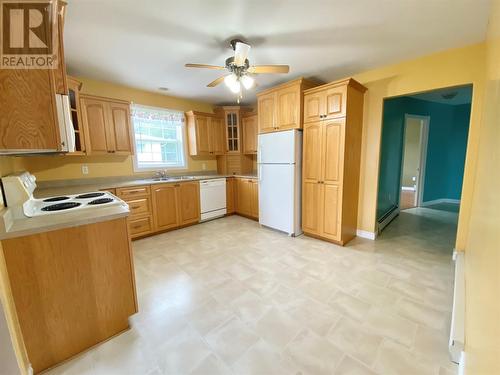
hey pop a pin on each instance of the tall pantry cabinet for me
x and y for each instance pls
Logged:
(333, 120)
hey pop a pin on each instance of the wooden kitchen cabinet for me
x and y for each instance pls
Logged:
(250, 130)
(247, 197)
(230, 195)
(333, 118)
(28, 115)
(106, 123)
(74, 87)
(281, 107)
(72, 288)
(138, 199)
(205, 134)
(175, 204)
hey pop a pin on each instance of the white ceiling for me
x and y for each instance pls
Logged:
(463, 95)
(145, 44)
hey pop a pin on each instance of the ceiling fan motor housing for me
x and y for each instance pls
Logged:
(233, 68)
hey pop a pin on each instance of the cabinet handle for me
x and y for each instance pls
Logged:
(135, 191)
(137, 226)
(135, 207)
(177, 185)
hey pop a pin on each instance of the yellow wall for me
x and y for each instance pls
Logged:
(482, 256)
(59, 167)
(444, 69)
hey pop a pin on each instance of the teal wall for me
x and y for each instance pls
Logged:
(448, 130)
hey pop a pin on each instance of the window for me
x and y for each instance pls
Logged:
(159, 138)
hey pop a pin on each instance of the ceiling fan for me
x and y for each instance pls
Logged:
(240, 71)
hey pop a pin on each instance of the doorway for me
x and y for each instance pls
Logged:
(416, 132)
(422, 153)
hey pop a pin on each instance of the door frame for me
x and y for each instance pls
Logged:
(423, 143)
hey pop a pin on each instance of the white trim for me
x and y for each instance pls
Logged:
(457, 330)
(387, 220)
(366, 234)
(441, 200)
(408, 188)
(461, 364)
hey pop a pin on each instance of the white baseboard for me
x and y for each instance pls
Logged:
(366, 234)
(441, 200)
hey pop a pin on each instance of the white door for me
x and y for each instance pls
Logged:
(276, 196)
(278, 147)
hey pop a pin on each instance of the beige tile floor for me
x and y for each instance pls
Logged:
(230, 297)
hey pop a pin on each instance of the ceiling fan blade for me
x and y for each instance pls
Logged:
(259, 69)
(240, 53)
(206, 66)
(217, 81)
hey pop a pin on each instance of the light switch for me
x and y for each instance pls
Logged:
(85, 169)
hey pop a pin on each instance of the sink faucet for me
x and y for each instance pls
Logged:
(161, 173)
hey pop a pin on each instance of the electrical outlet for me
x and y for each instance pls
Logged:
(204, 166)
(85, 169)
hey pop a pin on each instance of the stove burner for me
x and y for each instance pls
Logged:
(61, 206)
(55, 199)
(89, 195)
(101, 201)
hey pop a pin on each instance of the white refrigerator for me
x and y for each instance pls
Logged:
(279, 158)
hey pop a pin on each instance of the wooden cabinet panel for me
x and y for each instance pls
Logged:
(311, 207)
(72, 287)
(128, 193)
(313, 107)
(331, 211)
(74, 87)
(28, 119)
(250, 133)
(218, 138)
(312, 151)
(139, 206)
(165, 207)
(140, 226)
(119, 131)
(95, 122)
(189, 202)
(230, 195)
(333, 150)
(243, 194)
(254, 199)
(266, 112)
(335, 102)
(202, 135)
(288, 108)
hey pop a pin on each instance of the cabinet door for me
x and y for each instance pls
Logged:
(266, 115)
(217, 135)
(165, 207)
(202, 135)
(254, 201)
(119, 128)
(249, 125)
(233, 135)
(312, 199)
(230, 198)
(95, 124)
(335, 102)
(189, 202)
(331, 211)
(76, 115)
(243, 197)
(314, 106)
(333, 150)
(288, 108)
(312, 151)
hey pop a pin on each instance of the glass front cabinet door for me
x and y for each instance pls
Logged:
(233, 134)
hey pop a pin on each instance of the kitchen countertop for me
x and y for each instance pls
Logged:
(64, 187)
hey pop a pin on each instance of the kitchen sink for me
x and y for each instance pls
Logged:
(176, 178)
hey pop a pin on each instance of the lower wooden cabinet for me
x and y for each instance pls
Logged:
(247, 197)
(138, 199)
(175, 205)
(72, 288)
(230, 195)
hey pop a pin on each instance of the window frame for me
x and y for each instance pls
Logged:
(136, 166)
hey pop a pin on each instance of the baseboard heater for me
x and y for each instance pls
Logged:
(457, 331)
(387, 218)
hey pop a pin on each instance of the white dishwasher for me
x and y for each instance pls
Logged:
(212, 198)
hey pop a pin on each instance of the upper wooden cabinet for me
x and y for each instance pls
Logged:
(333, 119)
(28, 114)
(280, 108)
(205, 134)
(106, 124)
(249, 125)
(74, 87)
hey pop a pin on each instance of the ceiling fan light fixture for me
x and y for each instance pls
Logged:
(247, 82)
(233, 83)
